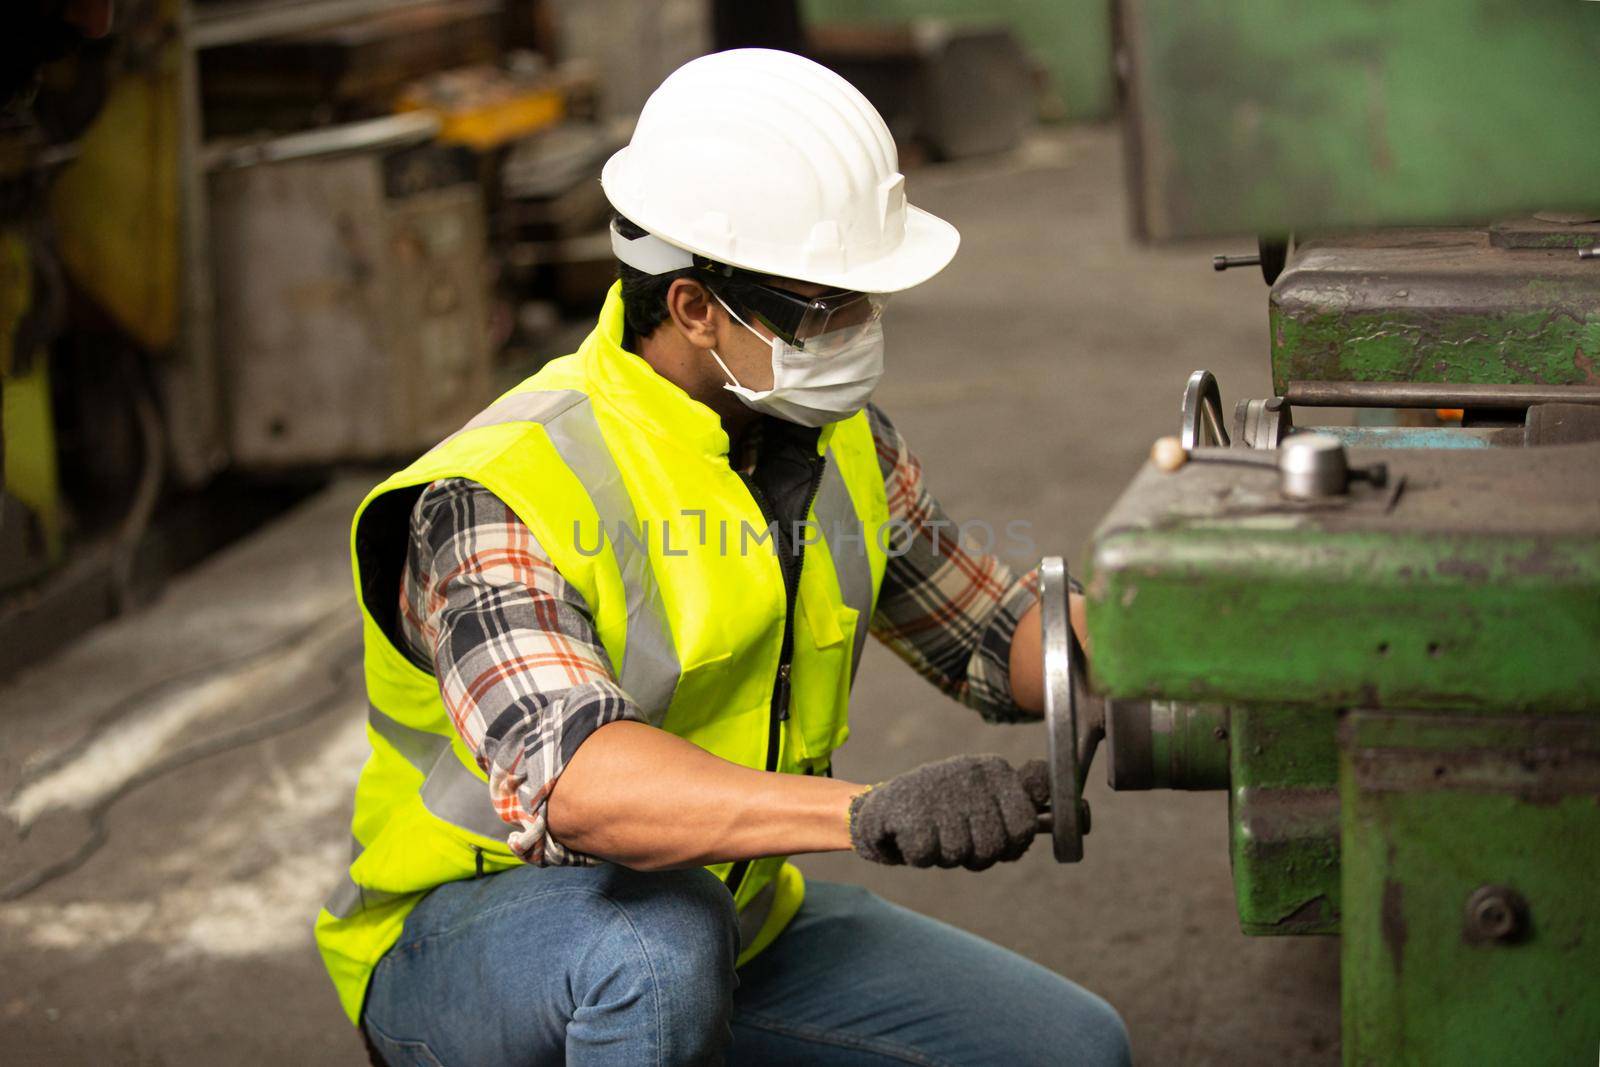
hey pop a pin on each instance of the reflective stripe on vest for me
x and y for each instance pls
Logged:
(650, 666)
(847, 544)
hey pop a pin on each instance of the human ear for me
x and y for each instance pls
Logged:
(693, 312)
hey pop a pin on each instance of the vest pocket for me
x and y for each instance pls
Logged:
(416, 851)
(819, 710)
(723, 706)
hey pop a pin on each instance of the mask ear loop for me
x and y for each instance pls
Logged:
(728, 373)
(740, 321)
(747, 326)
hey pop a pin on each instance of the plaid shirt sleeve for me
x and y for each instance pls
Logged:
(520, 666)
(946, 611)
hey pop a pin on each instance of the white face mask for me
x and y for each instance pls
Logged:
(826, 382)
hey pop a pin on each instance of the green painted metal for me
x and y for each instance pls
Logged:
(1284, 820)
(1457, 610)
(1435, 807)
(1412, 671)
(1262, 118)
(1434, 306)
(1475, 584)
(1425, 622)
(1072, 38)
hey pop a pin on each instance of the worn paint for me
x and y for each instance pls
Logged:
(1348, 619)
(1545, 347)
(1433, 306)
(1284, 820)
(1478, 587)
(1417, 843)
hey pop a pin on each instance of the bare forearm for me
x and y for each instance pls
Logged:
(1027, 653)
(646, 799)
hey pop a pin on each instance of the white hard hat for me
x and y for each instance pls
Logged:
(767, 161)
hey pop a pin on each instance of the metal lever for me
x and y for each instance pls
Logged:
(1272, 253)
(1227, 262)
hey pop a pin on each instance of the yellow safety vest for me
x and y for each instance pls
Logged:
(624, 481)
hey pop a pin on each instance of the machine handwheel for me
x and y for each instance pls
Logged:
(1202, 414)
(1064, 674)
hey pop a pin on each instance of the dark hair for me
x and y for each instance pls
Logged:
(644, 296)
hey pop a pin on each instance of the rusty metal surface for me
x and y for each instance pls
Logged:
(1284, 820)
(1489, 492)
(1472, 580)
(1434, 306)
(1546, 229)
(1561, 424)
(352, 306)
(1429, 395)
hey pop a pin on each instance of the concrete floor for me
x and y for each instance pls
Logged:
(225, 721)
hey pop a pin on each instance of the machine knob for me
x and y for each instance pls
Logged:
(1313, 465)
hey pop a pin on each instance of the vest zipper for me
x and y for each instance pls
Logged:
(791, 593)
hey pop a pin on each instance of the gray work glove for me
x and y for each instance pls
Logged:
(965, 811)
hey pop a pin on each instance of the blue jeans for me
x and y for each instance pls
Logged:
(603, 965)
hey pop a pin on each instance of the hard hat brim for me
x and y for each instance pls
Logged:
(928, 246)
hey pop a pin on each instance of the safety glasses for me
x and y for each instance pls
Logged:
(800, 319)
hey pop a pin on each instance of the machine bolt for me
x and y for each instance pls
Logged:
(1495, 913)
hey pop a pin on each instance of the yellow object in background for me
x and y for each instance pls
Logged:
(484, 108)
(115, 209)
(25, 418)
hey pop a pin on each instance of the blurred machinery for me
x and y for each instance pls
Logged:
(260, 238)
(1381, 638)
(949, 89)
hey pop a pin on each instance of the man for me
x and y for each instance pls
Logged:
(611, 627)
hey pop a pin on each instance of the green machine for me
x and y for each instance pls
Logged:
(1383, 639)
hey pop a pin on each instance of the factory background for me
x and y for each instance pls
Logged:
(255, 254)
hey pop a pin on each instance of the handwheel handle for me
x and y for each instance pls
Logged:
(1064, 673)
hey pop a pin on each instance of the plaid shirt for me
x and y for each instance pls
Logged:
(525, 678)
